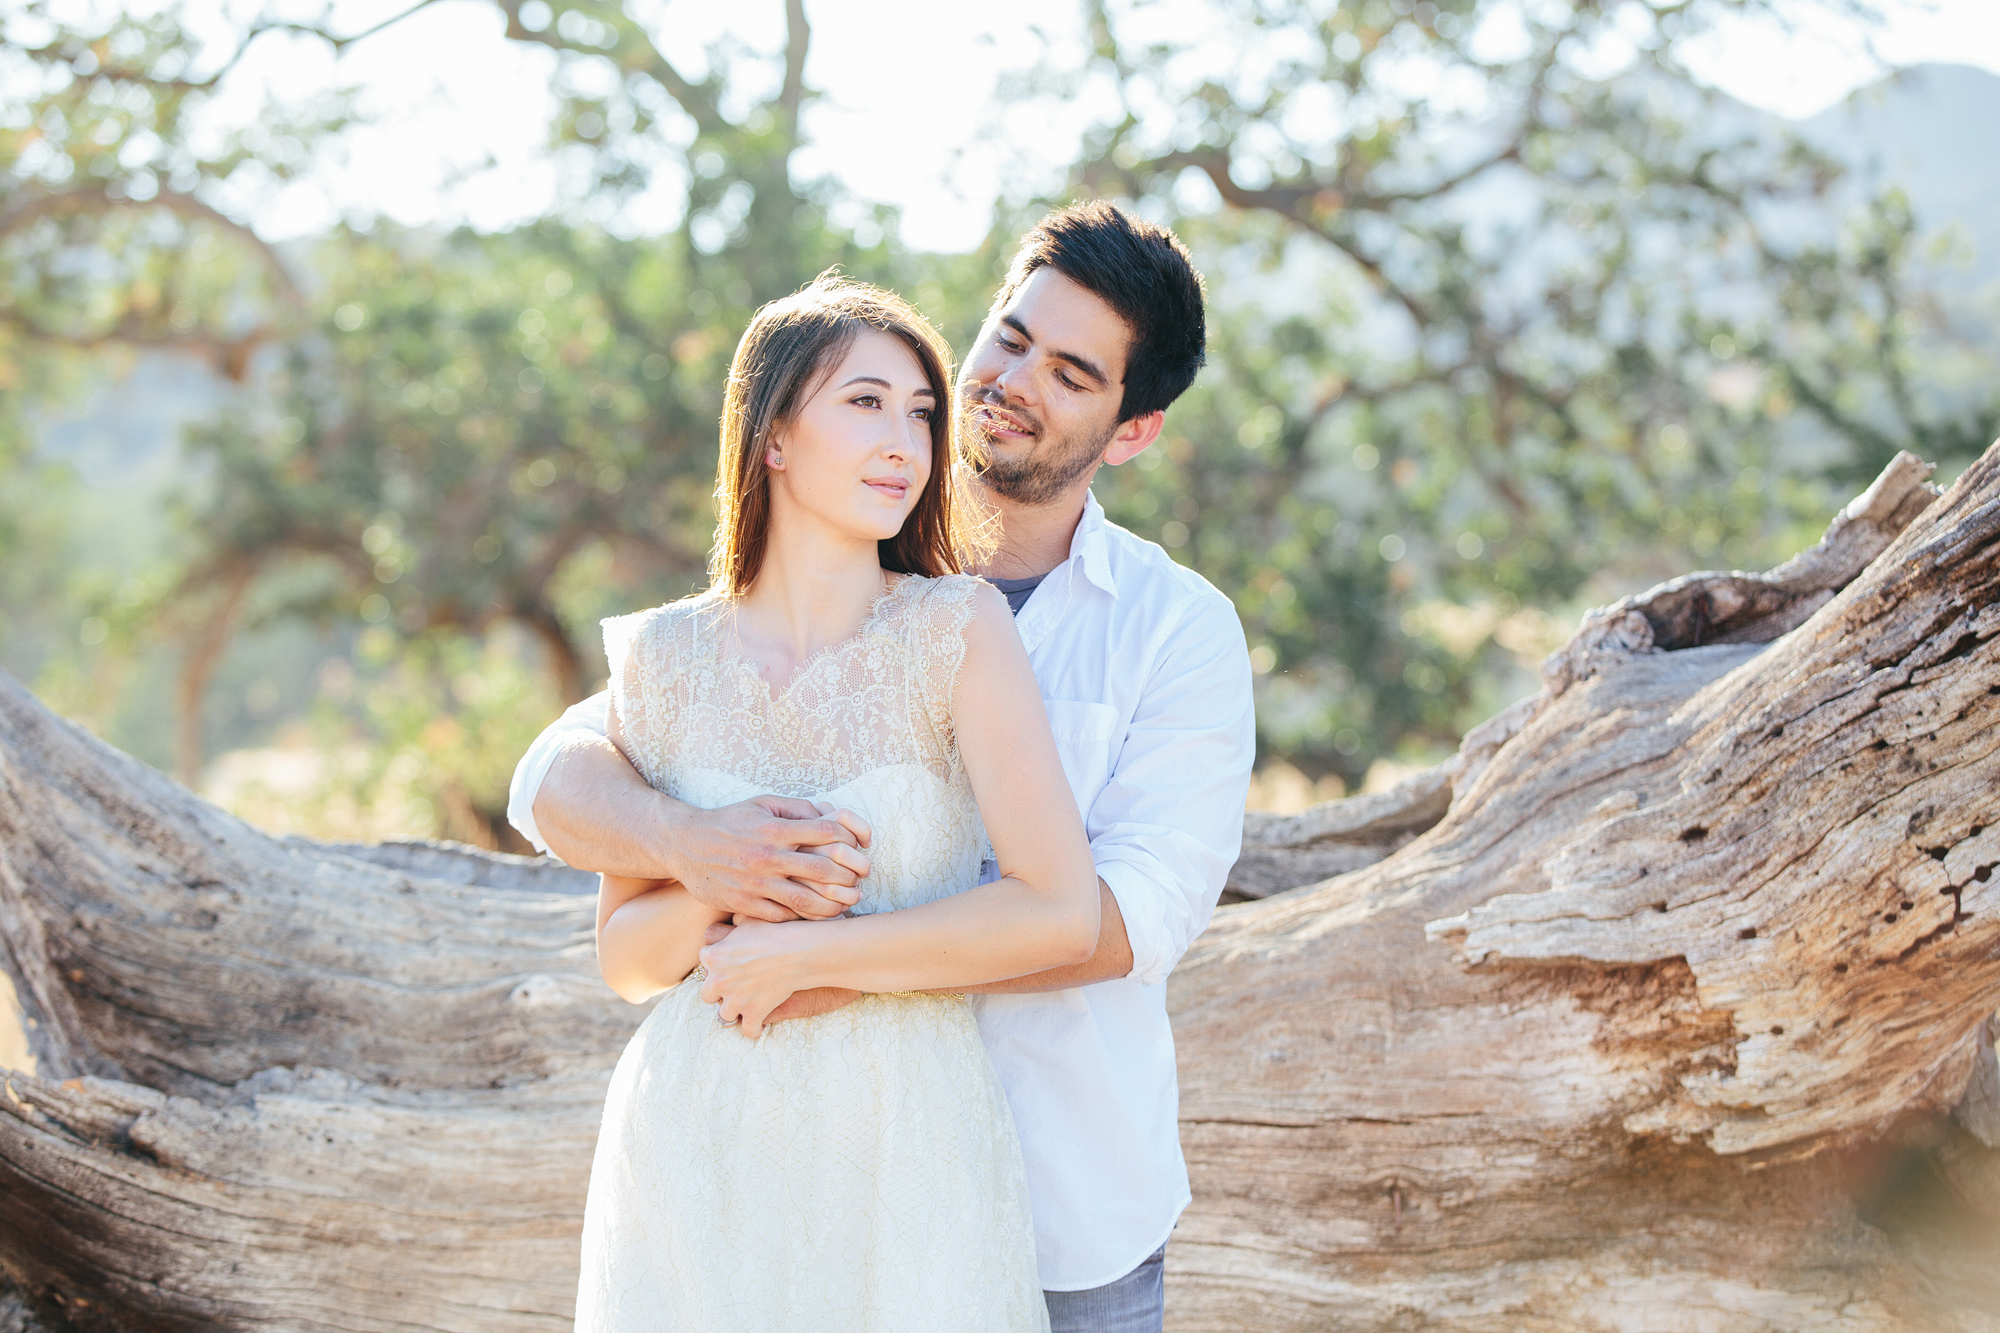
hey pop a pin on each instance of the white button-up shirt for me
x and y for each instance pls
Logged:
(1144, 672)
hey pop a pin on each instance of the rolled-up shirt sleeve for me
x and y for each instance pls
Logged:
(585, 719)
(1168, 825)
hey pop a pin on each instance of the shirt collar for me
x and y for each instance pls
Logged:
(1090, 548)
(1089, 561)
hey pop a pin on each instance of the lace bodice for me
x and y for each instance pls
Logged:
(864, 724)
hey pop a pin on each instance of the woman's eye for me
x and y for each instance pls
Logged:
(867, 400)
(922, 414)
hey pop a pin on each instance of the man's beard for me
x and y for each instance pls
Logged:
(1048, 470)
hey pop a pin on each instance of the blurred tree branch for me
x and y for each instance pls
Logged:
(1566, 297)
(446, 430)
(1467, 350)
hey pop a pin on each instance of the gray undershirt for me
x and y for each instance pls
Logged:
(1017, 591)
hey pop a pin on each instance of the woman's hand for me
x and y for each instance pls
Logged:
(803, 1004)
(753, 969)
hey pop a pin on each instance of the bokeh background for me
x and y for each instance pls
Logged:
(355, 358)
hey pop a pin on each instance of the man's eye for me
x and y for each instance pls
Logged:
(1069, 384)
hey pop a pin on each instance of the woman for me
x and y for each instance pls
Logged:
(857, 1170)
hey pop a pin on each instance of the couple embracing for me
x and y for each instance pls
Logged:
(905, 820)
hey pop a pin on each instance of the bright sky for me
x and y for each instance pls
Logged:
(459, 113)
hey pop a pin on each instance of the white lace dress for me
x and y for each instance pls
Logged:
(857, 1171)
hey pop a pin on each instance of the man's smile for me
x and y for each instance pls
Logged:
(999, 421)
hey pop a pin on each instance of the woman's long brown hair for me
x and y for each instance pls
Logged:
(791, 344)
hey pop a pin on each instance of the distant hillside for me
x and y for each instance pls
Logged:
(1931, 130)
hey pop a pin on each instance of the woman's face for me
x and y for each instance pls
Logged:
(858, 453)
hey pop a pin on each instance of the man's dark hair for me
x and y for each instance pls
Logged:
(1141, 271)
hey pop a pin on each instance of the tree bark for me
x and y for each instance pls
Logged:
(1657, 1027)
(1664, 1005)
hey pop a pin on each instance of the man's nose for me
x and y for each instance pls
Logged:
(1015, 383)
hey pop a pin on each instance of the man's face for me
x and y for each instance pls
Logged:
(1042, 388)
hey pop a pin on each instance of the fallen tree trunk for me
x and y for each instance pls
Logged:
(1658, 1026)
(1645, 1012)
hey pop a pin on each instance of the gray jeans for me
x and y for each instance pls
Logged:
(1135, 1303)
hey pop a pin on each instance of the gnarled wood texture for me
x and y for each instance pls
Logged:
(1654, 1028)
(1664, 1005)
(281, 1085)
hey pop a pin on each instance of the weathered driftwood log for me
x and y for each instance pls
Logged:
(1282, 852)
(280, 1085)
(1656, 1027)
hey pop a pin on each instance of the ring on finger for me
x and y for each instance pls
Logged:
(726, 1022)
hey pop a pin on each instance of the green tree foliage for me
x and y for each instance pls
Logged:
(459, 433)
(1497, 324)
(106, 226)
(109, 242)
(1508, 310)
(521, 427)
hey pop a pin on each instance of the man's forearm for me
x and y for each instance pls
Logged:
(770, 857)
(1113, 959)
(597, 813)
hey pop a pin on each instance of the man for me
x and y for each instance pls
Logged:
(1142, 666)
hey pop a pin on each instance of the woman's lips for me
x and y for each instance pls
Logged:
(893, 487)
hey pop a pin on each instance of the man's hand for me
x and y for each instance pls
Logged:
(765, 859)
(812, 1003)
(802, 1004)
(771, 858)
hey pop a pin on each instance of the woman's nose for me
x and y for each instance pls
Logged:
(900, 442)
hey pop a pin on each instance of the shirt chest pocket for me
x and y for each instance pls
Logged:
(1086, 739)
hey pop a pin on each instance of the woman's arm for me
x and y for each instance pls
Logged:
(1113, 959)
(649, 931)
(648, 934)
(1041, 913)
